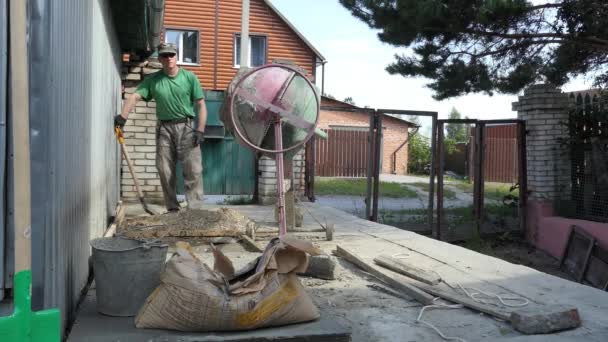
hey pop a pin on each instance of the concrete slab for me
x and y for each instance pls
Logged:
(91, 326)
(376, 316)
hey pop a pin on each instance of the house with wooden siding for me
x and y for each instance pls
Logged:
(207, 36)
(347, 128)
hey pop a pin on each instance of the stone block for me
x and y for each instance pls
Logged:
(133, 77)
(134, 142)
(148, 71)
(155, 182)
(137, 116)
(321, 266)
(145, 123)
(144, 162)
(145, 110)
(145, 135)
(145, 149)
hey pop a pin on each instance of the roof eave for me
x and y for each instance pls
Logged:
(293, 28)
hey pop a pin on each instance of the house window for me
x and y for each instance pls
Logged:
(257, 50)
(187, 45)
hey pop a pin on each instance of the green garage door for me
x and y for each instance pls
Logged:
(228, 168)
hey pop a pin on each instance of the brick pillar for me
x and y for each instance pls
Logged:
(140, 135)
(544, 108)
(267, 182)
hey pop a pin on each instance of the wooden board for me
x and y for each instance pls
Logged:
(402, 267)
(578, 250)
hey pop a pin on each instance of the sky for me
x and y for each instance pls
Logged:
(357, 59)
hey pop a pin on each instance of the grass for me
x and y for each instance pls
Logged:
(358, 187)
(457, 216)
(492, 191)
(447, 193)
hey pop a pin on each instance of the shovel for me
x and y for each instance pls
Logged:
(23, 325)
(123, 147)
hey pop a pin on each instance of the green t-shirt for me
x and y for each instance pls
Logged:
(174, 96)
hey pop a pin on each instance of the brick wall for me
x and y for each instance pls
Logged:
(544, 107)
(395, 133)
(267, 182)
(140, 136)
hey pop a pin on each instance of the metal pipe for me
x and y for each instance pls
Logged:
(323, 79)
(523, 176)
(245, 34)
(370, 165)
(377, 160)
(278, 140)
(433, 171)
(440, 148)
(156, 22)
(394, 154)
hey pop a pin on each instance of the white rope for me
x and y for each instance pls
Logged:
(502, 299)
(439, 306)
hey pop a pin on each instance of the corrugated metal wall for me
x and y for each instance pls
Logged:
(75, 91)
(282, 42)
(3, 137)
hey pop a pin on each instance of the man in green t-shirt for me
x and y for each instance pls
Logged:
(178, 132)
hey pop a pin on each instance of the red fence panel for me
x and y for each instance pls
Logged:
(342, 154)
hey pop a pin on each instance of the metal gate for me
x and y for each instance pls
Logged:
(228, 167)
(496, 208)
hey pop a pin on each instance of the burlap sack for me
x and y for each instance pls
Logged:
(267, 292)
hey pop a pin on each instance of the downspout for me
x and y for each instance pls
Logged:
(394, 154)
(245, 35)
(156, 10)
(323, 80)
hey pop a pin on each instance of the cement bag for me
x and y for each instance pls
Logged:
(267, 292)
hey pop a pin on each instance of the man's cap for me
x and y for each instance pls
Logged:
(166, 48)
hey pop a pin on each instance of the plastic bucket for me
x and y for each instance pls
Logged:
(126, 272)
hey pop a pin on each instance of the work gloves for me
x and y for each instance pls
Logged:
(119, 121)
(199, 138)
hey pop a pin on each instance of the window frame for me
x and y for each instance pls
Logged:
(180, 51)
(236, 36)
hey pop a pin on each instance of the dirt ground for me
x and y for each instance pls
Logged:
(517, 251)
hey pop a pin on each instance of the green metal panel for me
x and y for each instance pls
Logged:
(228, 168)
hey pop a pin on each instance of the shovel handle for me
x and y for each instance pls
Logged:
(20, 128)
(123, 148)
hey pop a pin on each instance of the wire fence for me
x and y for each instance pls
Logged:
(584, 194)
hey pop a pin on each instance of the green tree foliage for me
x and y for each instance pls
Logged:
(349, 100)
(419, 153)
(467, 46)
(455, 132)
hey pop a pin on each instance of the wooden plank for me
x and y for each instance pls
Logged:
(419, 290)
(402, 267)
(578, 250)
(408, 289)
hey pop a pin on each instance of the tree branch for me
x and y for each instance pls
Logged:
(507, 48)
(543, 6)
